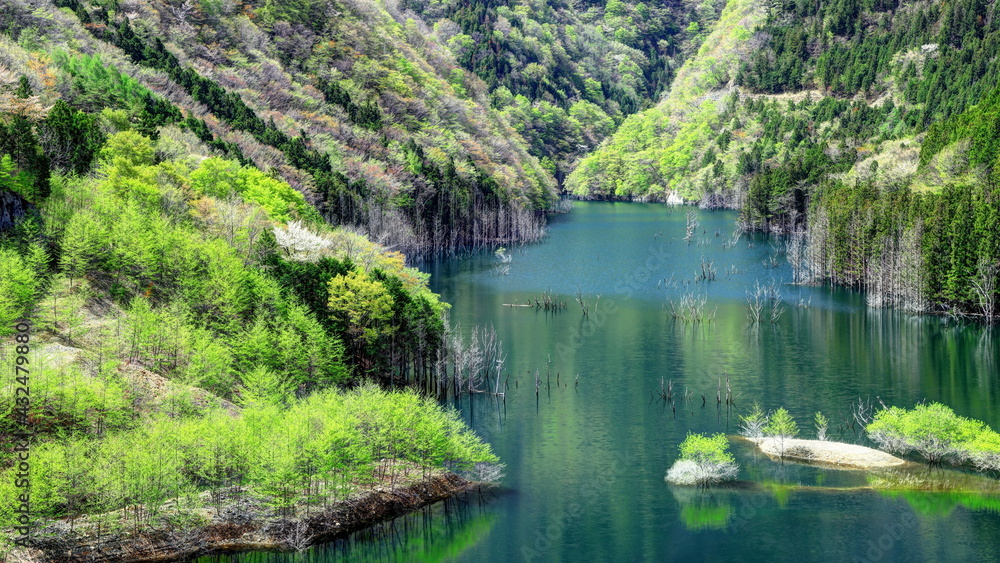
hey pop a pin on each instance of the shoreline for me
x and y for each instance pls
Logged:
(825, 453)
(246, 528)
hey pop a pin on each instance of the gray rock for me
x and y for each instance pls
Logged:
(12, 208)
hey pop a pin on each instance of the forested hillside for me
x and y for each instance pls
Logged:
(189, 198)
(567, 73)
(357, 107)
(868, 129)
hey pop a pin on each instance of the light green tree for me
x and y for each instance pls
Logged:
(362, 304)
(781, 426)
(265, 386)
(822, 424)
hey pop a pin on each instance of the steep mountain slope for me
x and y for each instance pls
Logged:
(567, 73)
(354, 105)
(854, 125)
(858, 82)
(655, 151)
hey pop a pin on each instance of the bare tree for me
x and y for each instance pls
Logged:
(985, 286)
(755, 303)
(894, 279)
(796, 252)
(692, 225)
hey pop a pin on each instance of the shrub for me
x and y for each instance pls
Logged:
(753, 423)
(704, 460)
(781, 425)
(822, 423)
(984, 451)
(934, 432)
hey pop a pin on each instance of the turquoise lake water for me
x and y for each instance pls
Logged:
(586, 457)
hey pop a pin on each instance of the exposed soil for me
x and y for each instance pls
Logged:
(243, 527)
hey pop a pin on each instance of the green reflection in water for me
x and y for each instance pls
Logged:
(437, 533)
(704, 509)
(943, 503)
(703, 517)
(938, 491)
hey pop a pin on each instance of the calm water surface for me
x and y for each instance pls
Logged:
(586, 457)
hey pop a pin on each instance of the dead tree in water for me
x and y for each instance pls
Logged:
(691, 309)
(691, 226)
(584, 305)
(473, 362)
(707, 272)
(764, 295)
(549, 303)
(755, 304)
(893, 279)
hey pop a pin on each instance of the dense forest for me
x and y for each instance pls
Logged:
(865, 130)
(567, 73)
(350, 103)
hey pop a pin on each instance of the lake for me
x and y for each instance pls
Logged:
(586, 456)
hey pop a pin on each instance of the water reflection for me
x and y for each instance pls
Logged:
(941, 504)
(586, 457)
(704, 509)
(440, 532)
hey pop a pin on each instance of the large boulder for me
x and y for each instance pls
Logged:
(12, 208)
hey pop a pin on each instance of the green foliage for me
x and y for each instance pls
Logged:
(309, 452)
(822, 424)
(24, 89)
(934, 432)
(21, 280)
(308, 13)
(979, 124)
(781, 425)
(700, 448)
(96, 84)
(71, 138)
(263, 386)
(658, 151)
(310, 281)
(66, 402)
(294, 345)
(227, 148)
(220, 178)
(189, 297)
(361, 305)
(955, 47)
(704, 460)
(27, 170)
(951, 229)
(541, 60)
(367, 116)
